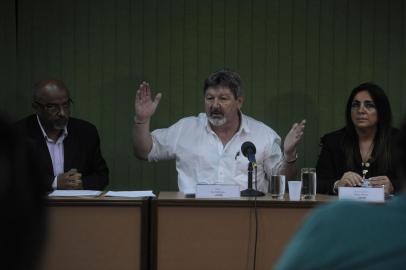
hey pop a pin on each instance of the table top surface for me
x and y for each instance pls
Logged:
(178, 198)
(94, 200)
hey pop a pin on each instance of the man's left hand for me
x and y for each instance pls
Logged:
(292, 139)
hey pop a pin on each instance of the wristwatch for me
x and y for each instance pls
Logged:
(293, 160)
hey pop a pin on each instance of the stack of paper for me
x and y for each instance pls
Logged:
(75, 193)
(130, 194)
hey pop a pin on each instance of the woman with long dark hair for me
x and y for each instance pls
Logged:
(360, 154)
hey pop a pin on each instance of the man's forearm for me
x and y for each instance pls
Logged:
(142, 139)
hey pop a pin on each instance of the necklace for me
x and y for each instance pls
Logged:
(366, 164)
(365, 160)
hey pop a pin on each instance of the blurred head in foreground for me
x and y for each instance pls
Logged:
(22, 226)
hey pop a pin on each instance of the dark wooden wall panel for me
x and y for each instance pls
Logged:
(297, 58)
(8, 56)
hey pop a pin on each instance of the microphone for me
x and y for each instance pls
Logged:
(248, 150)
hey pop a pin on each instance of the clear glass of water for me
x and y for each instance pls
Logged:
(277, 186)
(309, 183)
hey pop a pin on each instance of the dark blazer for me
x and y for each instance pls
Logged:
(81, 151)
(331, 164)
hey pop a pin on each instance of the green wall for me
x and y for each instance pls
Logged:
(297, 58)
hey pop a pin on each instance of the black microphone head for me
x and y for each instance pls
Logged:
(248, 147)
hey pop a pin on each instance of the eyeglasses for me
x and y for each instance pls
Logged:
(55, 108)
(368, 105)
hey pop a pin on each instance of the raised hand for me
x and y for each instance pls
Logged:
(293, 138)
(144, 105)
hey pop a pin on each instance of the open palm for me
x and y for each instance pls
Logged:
(293, 137)
(144, 105)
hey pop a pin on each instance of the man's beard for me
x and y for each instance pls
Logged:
(216, 118)
(217, 121)
(60, 123)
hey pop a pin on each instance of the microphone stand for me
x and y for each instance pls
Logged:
(250, 192)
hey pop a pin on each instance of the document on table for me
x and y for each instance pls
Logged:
(130, 194)
(75, 193)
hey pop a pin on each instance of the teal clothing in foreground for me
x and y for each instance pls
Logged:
(351, 235)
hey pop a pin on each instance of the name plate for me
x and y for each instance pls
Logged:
(217, 191)
(365, 194)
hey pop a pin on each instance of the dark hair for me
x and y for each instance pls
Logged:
(400, 156)
(224, 78)
(382, 138)
(401, 153)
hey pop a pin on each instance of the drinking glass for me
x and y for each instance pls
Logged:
(309, 183)
(294, 190)
(277, 186)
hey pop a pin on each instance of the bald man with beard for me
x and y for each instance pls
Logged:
(66, 150)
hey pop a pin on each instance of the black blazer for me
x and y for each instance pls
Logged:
(331, 164)
(81, 151)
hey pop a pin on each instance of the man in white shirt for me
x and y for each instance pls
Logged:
(207, 147)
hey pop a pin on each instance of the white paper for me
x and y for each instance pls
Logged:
(130, 194)
(361, 194)
(75, 193)
(217, 191)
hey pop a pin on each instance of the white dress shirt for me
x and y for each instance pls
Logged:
(56, 152)
(202, 158)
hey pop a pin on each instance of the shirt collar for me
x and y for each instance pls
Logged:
(244, 123)
(63, 136)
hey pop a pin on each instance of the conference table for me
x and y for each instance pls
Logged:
(171, 232)
(97, 233)
(221, 234)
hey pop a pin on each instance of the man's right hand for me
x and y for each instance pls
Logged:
(70, 180)
(144, 105)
